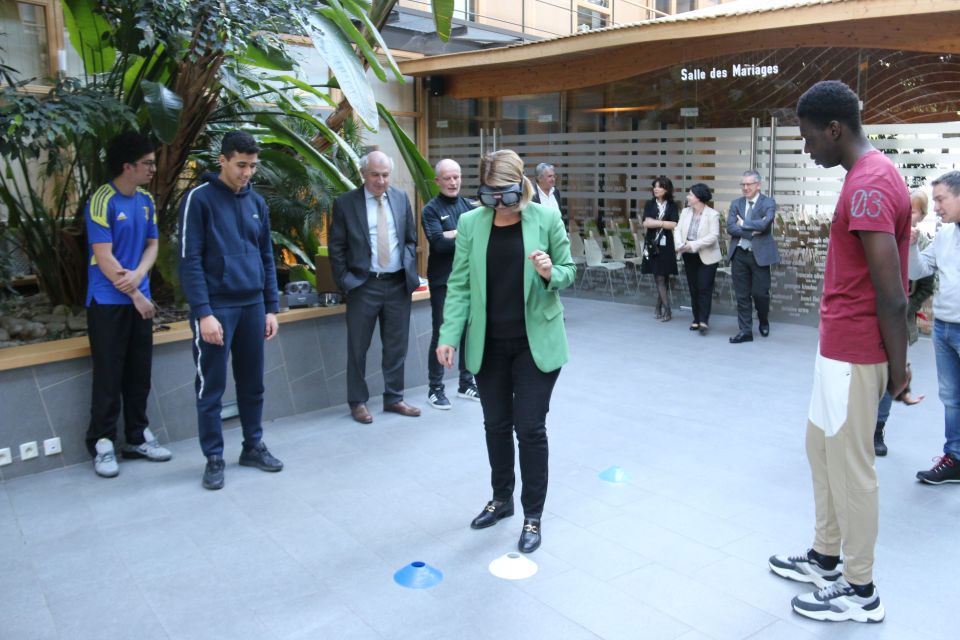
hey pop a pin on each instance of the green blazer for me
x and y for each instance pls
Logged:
(466, 301)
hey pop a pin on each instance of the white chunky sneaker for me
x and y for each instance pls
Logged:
(840, 602)
(150, 449)
(105, 462)
(806, 567)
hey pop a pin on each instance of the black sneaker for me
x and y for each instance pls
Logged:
(213, 474)
(437, 399)
(260, 458)
(946, 469)
(470, 392)
(879, 446)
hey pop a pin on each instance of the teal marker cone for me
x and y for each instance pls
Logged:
(614, 474)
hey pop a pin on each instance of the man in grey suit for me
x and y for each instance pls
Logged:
(751, 252)
(373, 256)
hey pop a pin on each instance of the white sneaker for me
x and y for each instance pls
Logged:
(105, 463)
(150, 449)
(804, 568)
(840, 602)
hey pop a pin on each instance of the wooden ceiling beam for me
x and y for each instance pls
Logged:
(611, 65)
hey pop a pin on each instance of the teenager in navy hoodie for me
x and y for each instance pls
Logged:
(229, 278)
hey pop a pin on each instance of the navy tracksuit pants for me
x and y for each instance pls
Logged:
(243, 339)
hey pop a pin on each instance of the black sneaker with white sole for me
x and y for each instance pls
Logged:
(811, 567)
(437, 399)
(945, 469)
(470, 392)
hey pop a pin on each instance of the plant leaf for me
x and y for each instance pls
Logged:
(420, 169)
(281, 134)
(442, 17)
(261, 53)
(164, 108)
(291, 246)
(90, 34)
(362, 13)
(338, 15)
(342, 59)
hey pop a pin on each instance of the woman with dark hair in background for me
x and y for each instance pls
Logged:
(511, 260)
(660, 216)
(697, 240)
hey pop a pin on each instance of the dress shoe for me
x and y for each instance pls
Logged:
(704, 328)
(492, 513)
(695, 326)
(764, 329)
(360, 413)
(741, 337)
(530, 536)
(403, 409)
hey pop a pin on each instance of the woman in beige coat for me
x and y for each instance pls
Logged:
(697, 240)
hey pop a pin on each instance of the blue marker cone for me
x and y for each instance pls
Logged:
(418, 575)
(614, 474)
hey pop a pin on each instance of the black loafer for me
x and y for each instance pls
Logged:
(492, 513)
(741, 337)
(764, 329)
(530, 536)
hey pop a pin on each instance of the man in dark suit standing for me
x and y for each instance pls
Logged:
(373, 256)
(546, 192)
(752, 250)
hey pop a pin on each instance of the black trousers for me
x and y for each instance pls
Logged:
(438, 293)
(385, 300)
(700, 278)
(750, 281)
(121, 347)
(515, 396)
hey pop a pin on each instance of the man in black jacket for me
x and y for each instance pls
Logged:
(546, 192)
(439, 219)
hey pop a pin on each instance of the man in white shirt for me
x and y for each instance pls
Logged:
(546, 192)
(942, 256)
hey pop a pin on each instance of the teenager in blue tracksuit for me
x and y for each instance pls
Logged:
(228, 275)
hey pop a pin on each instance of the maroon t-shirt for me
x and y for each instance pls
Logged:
(874, 198)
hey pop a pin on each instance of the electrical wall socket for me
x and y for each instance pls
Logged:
(28, 450)
(5, 456)
(51, 447)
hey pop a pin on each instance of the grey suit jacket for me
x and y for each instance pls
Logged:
(762, 244)
(350, 252)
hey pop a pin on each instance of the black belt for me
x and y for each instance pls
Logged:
(385, 275)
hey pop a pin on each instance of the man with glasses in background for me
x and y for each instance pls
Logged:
(122, 235)
(751, 252)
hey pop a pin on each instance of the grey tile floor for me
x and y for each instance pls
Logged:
(710, 433)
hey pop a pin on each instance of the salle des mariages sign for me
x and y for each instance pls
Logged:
(735, 71)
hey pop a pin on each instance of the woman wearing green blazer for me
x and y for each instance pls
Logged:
(511, 260)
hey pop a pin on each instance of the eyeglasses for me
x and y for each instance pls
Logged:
(297, 287)
(147, 163)
(748, 184)
(507, 196)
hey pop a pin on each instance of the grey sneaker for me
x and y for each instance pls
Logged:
(840, 602)
(805, 568)
(105, 462)
(150, 449)
(213, 473)
(260, 458)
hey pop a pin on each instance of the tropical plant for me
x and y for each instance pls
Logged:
(179, 68)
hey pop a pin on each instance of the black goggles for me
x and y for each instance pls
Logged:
(507, 196)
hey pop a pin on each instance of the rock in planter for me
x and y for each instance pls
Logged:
(77, 323)
(61, 310)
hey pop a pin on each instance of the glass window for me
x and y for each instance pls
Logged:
(686, 5)
(663, 6)
(24, 29)
(587, 19)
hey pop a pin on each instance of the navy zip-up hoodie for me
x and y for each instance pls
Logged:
(226, 254)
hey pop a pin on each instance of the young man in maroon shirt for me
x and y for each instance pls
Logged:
(862, 353)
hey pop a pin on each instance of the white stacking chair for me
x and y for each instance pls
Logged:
(595, 263)
(577, 252)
